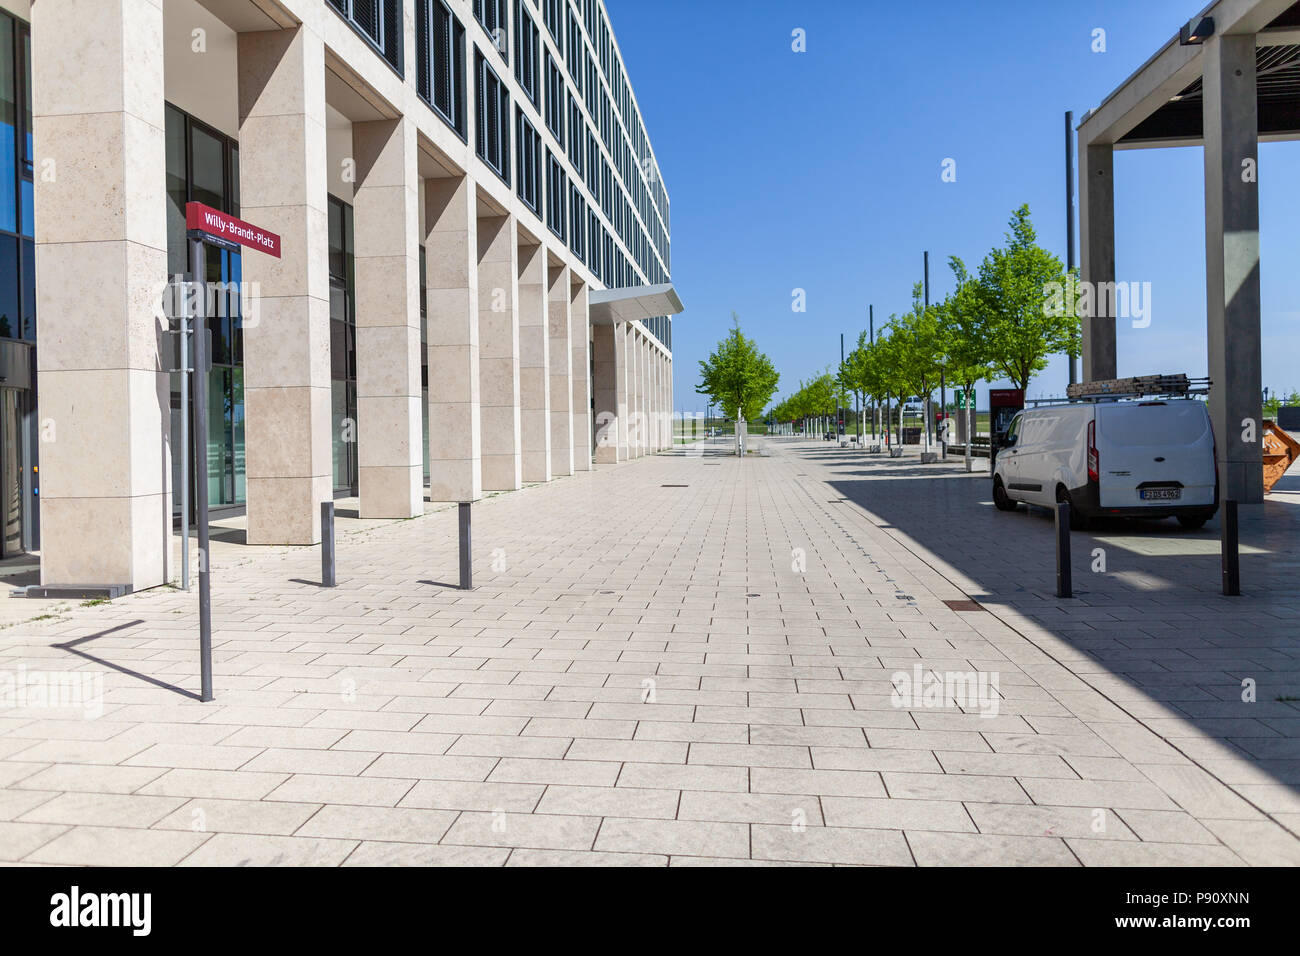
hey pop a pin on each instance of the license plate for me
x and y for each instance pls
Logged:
(1161, 494)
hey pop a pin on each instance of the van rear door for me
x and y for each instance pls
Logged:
(1155, 454)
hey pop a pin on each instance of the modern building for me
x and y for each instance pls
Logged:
(473, 290)
(1228, 80)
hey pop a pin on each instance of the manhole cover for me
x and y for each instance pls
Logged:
(964, 605)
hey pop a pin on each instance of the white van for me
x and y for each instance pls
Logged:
(1124, 459)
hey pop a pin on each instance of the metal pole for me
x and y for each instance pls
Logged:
(1064, 584)
(182, 288)
(463, 510)
(1069, 213)
(875, 406)
(198, 261)
(1229, 554)
(839, 392)
(328, 559)
(925, 404)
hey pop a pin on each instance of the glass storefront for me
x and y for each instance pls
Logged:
(424, 358)
(343, 349)
(18, 463)
(203, 166)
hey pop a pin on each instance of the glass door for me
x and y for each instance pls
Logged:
(11, 472)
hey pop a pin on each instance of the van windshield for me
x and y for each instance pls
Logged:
(1173, 423)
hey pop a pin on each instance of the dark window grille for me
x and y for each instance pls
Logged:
(440, 70)
(527, 41)
(528, 161)
(492, 140)
(492, 14)
(380, 22)
(557, 188)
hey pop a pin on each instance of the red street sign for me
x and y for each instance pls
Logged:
(228, 231)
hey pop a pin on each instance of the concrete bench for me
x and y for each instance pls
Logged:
(929, 457)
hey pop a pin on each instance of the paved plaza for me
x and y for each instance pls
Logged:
(810, 656)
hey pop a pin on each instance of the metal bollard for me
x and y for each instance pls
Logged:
(1064, 577)
(1229, 554)
(466, 570)
(327, 558)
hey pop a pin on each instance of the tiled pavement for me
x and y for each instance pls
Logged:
(651, 674)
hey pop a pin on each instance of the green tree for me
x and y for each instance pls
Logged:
(919, 349)
(965, 335)
(737, 376)
(1020, 325)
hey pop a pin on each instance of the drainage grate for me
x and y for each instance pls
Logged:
(965, 605)
(674, 486)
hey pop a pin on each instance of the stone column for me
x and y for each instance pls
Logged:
(635, 373)
(101, 253)
(451, 281)
(643, 392)
(610, 346)
(1097, 249)
(282, 166)
(658, 366)
(498, 332)
(561, 370)
(579, 333)
(386, 208)
(1232, 264)
(534, 364)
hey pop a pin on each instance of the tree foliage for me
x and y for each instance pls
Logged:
(737, 376)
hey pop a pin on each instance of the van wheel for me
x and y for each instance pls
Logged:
(1192, 522)
(1001, 500)
(1078, 520)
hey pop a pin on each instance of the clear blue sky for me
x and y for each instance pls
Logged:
(821, 170)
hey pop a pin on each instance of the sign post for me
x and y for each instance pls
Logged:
(205, 226)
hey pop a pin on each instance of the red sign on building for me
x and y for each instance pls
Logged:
(228, 231)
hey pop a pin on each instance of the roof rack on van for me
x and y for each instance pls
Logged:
(1139, 386)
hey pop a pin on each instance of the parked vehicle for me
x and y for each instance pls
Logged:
(1125, 459)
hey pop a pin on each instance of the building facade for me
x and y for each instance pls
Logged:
(473, 291)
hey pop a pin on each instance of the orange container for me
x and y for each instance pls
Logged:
(1280, 453)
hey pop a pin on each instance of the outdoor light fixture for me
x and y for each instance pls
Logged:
(1195, 34)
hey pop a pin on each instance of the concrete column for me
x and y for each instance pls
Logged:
(633, 375)
(102, 229)
(1232, 264)
(651, 399)
(498, 333)
(579, 334)
(534, 364)
(282, 165)
(559, 305)
(1097, 248)
(451, 281)
(661, 408)
(666, 392)
(610, 343)
(386, 208)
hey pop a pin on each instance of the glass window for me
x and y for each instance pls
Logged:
(28, 329)
(9, 314)
(8, 129)
(177, 192)
(207, 158)
(493, 139)
(28, 203)
(440, 66)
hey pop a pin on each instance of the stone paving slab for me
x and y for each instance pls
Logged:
(758, 668)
